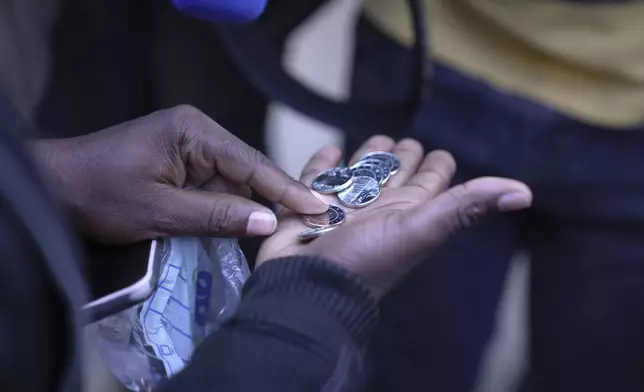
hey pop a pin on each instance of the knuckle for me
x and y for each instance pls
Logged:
(432, 183)
(258, 158)
(186, 111)
(469, 216)
(442, 178)
(184, 117)
(221, 217)
(240, 151)
(469, 212)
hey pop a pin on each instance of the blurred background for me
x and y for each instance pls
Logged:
(548, 92)
(319, 54)
(112, 61)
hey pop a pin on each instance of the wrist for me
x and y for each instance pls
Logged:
(378, 282)
(316, 283)
(59, 167)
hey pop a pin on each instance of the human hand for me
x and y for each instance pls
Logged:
(127, 183)
(414, 214)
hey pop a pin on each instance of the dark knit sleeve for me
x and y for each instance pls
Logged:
(301, 326)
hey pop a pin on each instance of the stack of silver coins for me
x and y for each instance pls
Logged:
(356, 187)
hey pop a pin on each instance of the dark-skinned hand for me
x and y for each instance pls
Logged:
(415, 213)
(174, 172)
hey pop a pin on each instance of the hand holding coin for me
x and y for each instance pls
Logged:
(414, 212)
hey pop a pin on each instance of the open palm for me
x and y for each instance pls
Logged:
(413, 214)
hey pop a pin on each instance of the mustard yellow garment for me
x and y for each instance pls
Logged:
(584, 60)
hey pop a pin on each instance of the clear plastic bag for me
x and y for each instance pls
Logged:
(200, 287)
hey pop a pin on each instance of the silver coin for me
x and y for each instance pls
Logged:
(392, 159)
(334, 216)
(313, 233)
(364, 191)
(371, 161)
(369, 170)
(380, 165)
(333, 180)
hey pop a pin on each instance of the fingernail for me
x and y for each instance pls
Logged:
(261, 223)
(514, 201)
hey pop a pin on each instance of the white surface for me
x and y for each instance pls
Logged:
(506, 358)
(318, 55)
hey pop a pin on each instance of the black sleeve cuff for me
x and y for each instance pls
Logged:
(303, 291)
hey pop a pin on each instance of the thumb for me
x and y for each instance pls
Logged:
(463, 205)
(198, 213)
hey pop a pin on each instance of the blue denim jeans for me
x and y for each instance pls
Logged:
(585, 234)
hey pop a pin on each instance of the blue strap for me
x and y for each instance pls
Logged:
(222, 10)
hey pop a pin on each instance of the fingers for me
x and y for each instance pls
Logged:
(432, 222)
(433, 176)
(198, 213)
(375, 143)
(221, 185)
(410, 153)
(324, 159)
(210, 149)
(269, 180)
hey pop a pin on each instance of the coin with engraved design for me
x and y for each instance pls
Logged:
(363, 191)
(391, 159)
(333, 180)
(368, 170)
(333, 216)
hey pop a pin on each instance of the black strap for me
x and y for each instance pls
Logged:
(256, 49)
(23, 192)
